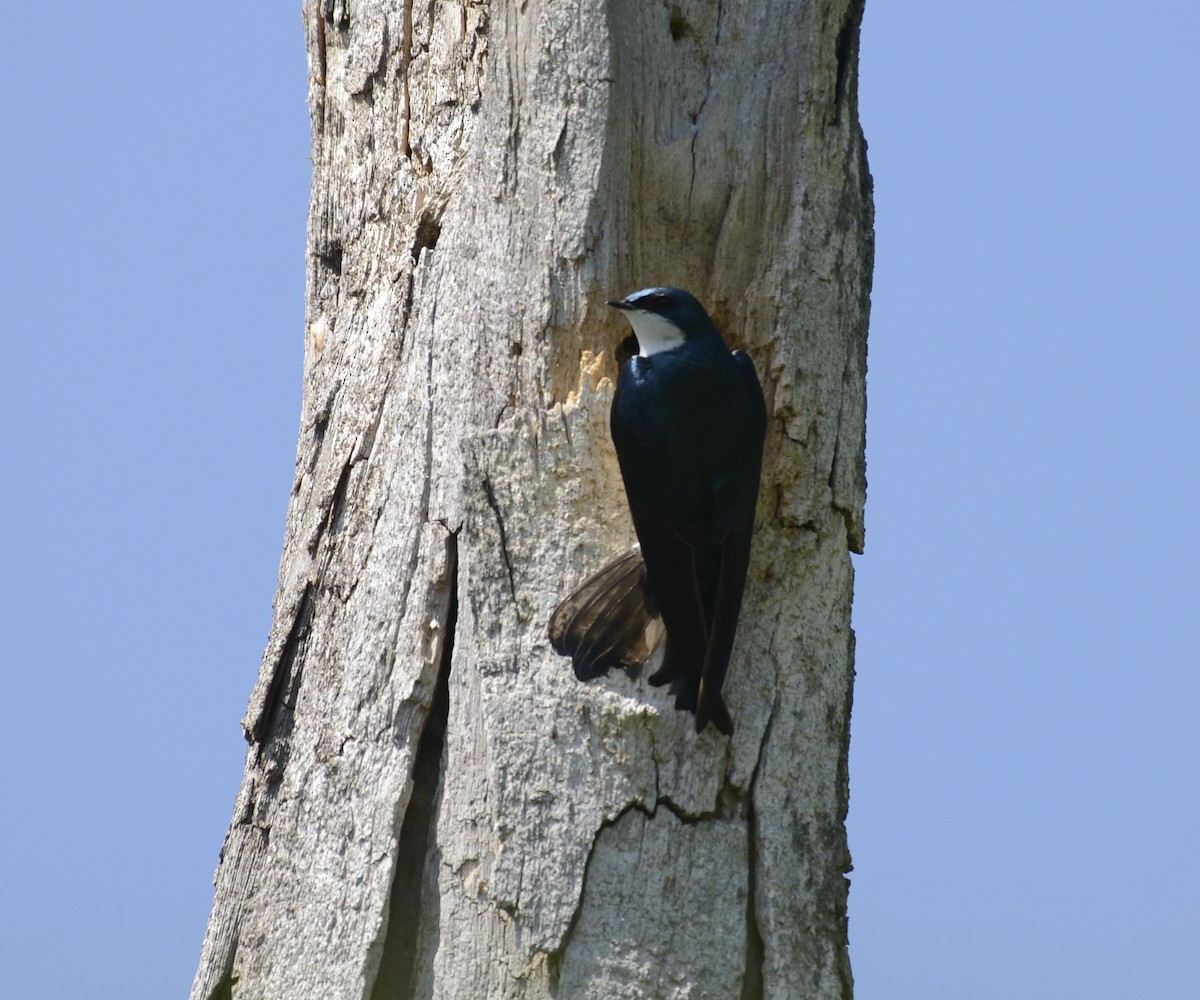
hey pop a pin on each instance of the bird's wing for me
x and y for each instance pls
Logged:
(732, 528)
(734, 561)
(667, 526)
(608, 620)
(671, 568)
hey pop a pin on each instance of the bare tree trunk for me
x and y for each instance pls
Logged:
(432, 805)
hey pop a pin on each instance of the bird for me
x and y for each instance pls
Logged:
(688, 422)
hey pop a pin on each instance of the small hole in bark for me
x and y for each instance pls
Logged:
(678, 25)
(331, 257)
(428, 231)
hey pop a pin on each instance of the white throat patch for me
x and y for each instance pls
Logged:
(654, 334)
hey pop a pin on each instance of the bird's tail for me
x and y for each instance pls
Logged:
(710, 707)
(691, 695)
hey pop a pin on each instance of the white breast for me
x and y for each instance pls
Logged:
(654, 334)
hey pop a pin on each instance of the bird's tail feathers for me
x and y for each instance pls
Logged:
(710, 707)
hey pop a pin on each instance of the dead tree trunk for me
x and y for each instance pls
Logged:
(432, 805)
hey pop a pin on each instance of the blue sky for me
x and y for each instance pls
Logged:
(1025, 753)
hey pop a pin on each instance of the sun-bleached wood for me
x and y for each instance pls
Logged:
(432, 806)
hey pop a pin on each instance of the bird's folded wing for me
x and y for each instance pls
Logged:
(710, 707)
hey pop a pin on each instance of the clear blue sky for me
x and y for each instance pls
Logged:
(1025, 754)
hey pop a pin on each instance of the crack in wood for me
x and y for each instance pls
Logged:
(274, 722)
(847, 58)
(321, 58)
(398, 964)
(731, 805)
(752, 983)
(491, 499)
(337, 505)
(405, 61)
(555, 958)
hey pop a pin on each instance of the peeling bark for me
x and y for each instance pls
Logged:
(432, 806)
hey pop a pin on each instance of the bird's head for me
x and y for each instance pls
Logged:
(664, 319)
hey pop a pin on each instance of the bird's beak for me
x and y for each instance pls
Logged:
(619, 304)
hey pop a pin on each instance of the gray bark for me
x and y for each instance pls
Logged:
(432, 806)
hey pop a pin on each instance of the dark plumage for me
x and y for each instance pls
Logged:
(688, 421)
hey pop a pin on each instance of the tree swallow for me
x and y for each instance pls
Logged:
(688, 421)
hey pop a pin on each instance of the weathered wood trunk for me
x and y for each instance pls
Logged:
(432, 805)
